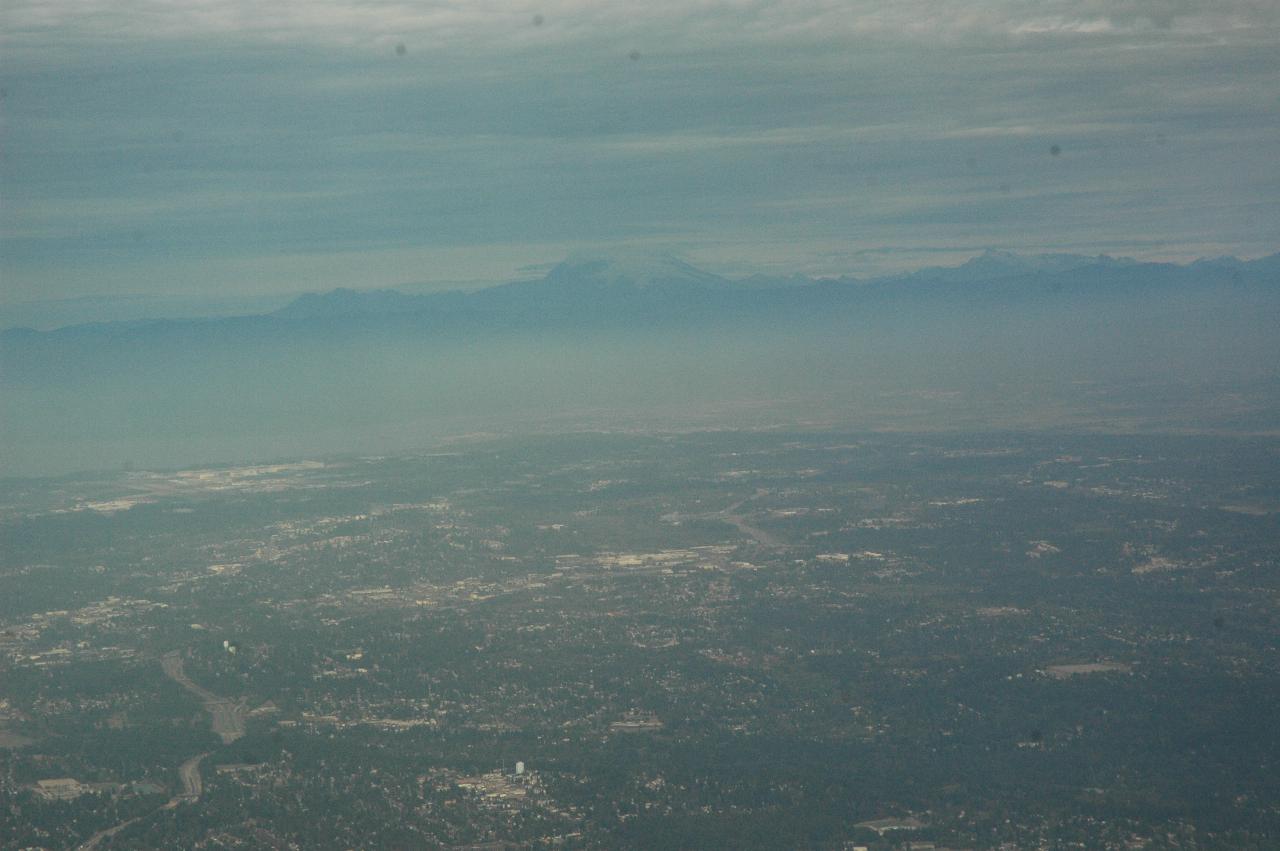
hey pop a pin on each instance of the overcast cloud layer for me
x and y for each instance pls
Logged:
(201, 147)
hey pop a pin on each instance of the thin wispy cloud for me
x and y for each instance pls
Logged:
(688, 23)
(193, 145)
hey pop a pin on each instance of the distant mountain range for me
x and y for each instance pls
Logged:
(653, 286)
(49, 314)
(645, 336)
(601, 284)
(636, 291)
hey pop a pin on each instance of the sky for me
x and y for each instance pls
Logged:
(228, 147)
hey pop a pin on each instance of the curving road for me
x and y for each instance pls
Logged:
(227, 721)
(93, 841)
(228, 715)
(192, 786)
(729, 515)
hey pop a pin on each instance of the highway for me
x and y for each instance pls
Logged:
(729, 515)
(192, 787)
(227, 720)
(227, 715)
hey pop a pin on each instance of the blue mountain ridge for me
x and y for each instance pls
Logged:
(597, 290)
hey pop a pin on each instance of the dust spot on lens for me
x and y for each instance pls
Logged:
(1006, 188)
(538, 20)
(634, 56)
(401, 50)
(1055, 150)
